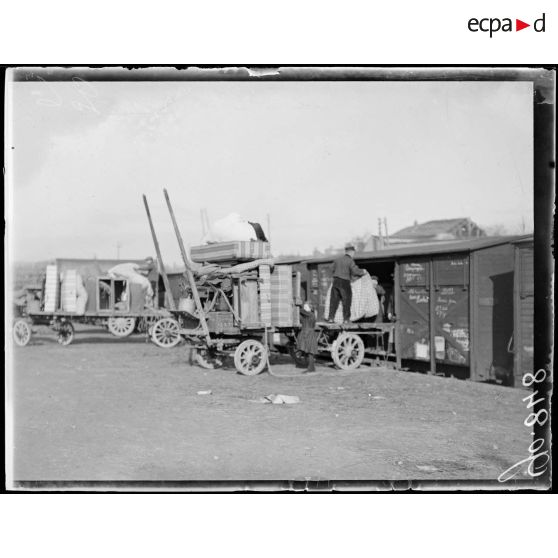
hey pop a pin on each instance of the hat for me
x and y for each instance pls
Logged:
(349, 246)
(147, 264)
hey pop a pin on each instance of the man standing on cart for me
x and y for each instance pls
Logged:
(344, 270)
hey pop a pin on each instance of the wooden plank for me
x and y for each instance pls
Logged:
(188, 273)
(249, 303)
(168, 292)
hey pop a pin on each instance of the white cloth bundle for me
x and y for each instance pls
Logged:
(365, 303)
(231, 227)
(131, 272)
(82, 296)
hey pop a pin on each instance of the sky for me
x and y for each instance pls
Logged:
(324, 160)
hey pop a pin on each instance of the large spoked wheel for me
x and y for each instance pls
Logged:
(22, 333)
(250, 357)
(347, 351)
(121, 326)
(65, 333)
(166, 333)
(207, 358)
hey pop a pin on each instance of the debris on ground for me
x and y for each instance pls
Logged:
(278, 399)
(429, 468)
(205, 392)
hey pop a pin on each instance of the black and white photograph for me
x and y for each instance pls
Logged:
(263, 278)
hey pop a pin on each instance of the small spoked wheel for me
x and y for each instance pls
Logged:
(65, 333)
(250, 357)
(121, 326)
(22, 332)
(207, 358)
(347, 351)
(165, 333)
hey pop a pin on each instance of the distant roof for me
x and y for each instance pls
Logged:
(433, 228)
(444, 247)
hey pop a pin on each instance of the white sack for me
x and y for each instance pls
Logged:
(130, 271)
(81, 300)
(365, 303)
(231, 227)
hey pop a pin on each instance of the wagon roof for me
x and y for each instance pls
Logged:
(440, 247)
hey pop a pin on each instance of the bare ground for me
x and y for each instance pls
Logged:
(110, 409)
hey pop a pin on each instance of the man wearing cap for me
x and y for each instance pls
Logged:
(344, 269)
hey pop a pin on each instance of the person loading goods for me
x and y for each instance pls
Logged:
(344, 270)
(136, 273)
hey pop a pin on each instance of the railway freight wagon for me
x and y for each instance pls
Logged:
(453, 303)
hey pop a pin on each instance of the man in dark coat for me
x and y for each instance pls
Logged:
(344, 270)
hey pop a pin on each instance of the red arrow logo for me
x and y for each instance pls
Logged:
(519, 25)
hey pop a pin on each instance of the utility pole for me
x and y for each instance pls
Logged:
(118, 245)
(268, 235)
(202, 222)
(386, 231)
(380, 236)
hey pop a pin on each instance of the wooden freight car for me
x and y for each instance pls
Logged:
(453, 304)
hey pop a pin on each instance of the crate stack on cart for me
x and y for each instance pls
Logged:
(264, 293)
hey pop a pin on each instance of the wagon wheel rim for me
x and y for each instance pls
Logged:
(348, 351)
(166, 333)
(250, 357)
(121, 326)
(65, 333)
(22, 333)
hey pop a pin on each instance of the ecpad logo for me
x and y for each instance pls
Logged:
(494, 24)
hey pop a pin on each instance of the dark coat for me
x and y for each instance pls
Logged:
(346, 268)
(307, 340)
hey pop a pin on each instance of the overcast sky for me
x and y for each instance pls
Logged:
(324, 159)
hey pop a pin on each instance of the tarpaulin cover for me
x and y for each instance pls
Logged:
(365, 303)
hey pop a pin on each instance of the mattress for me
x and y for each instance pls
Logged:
(234, 251)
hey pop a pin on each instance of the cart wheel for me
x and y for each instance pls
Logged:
(207, 358)
(250, 357)
(166, 333)
(22, 333)
(347, 351)
(65, 333)
(121, 326)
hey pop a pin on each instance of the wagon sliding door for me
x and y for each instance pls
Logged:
(451, 310)
(414, 309)
(523, 337)
(492, 271)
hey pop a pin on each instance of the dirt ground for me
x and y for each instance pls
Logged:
(111, 409)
